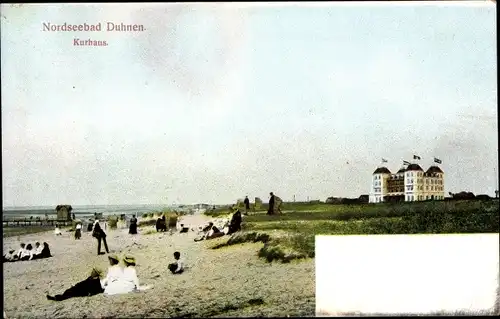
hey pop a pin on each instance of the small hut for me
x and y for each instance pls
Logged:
(64, 212)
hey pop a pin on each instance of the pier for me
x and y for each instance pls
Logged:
(35, 222)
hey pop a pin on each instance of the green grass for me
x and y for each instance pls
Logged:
(291, 235)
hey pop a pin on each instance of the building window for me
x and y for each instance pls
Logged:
(426, 187)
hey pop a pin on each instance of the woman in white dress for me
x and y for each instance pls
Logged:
(127, 282)
(113, 278)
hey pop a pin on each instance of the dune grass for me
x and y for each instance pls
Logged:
(291, 235)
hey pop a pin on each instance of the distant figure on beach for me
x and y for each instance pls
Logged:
(270, 210)
(235, 224)
(161, 224)
(57, 231)
(88, 287)
(177, 267)
(100, 235)
(132, 229)
(90, 226)
(78, 231)
(247, 205)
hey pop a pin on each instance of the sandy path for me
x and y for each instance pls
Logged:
(217, 283)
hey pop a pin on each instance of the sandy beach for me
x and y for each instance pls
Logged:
(231, 281)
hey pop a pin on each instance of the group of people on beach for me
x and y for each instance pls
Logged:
(118, 280)
(28, 252)
(211, 231)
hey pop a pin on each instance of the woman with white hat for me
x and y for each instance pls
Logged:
(115, 273)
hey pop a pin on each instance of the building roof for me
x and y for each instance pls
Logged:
(382, 170)
(401, 170)
(414, 167)
(434, 169)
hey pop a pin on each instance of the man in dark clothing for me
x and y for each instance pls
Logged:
(132, 229)
(247, 205)
(100, 235)
(88, 287)
(270, 210)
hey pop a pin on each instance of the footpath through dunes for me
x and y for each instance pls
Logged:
(230, 281)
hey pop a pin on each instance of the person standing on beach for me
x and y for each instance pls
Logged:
(100, 235)
(247, 205)
(78, 231)
(270, 210)
(133, 226)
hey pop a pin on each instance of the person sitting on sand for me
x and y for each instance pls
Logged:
(9, 256)
(27, 253)
(177, 267)
(235, 224)
(57, 231)
(88, 287)
(126, 282)
(184, 229)
(20, 251)
(38, 249)
(213, 232)
(115, 273)
(45, 252)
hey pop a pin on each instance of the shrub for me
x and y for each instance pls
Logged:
(113, 222)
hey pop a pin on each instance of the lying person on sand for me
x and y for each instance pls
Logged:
(10, 256)
(213, 232)
(88, 287)
(177, 267)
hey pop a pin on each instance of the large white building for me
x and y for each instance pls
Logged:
(408, 184)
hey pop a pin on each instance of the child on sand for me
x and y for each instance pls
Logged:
(57, 231)
(176, 267)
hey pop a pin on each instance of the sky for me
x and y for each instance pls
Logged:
(417, 274)
(212, 102)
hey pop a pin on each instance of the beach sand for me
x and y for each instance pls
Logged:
(231, 281)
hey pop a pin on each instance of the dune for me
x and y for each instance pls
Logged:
(230, 282)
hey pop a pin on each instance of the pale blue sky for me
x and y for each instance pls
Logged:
(214, 102)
